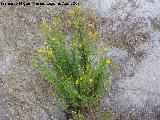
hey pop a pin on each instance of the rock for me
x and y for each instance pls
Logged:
(139, 91)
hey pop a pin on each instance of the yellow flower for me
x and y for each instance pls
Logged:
(53, 39)
(99, 53)
(87, 66)
(90, 33)
(81, 78)
(105, 48)
(90, 80)
(71, 11)
(80, 45)
(96, 33)
(42, 51)
(77, 81)
(78, 7)
(73, 44)
(109, 61)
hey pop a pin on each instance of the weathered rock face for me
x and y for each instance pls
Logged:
(138, 96)
(23, 94)
(146, 7)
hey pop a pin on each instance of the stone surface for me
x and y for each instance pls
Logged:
(23, 94)
(138, 97)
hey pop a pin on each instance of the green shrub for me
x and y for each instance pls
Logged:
(74, 63)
